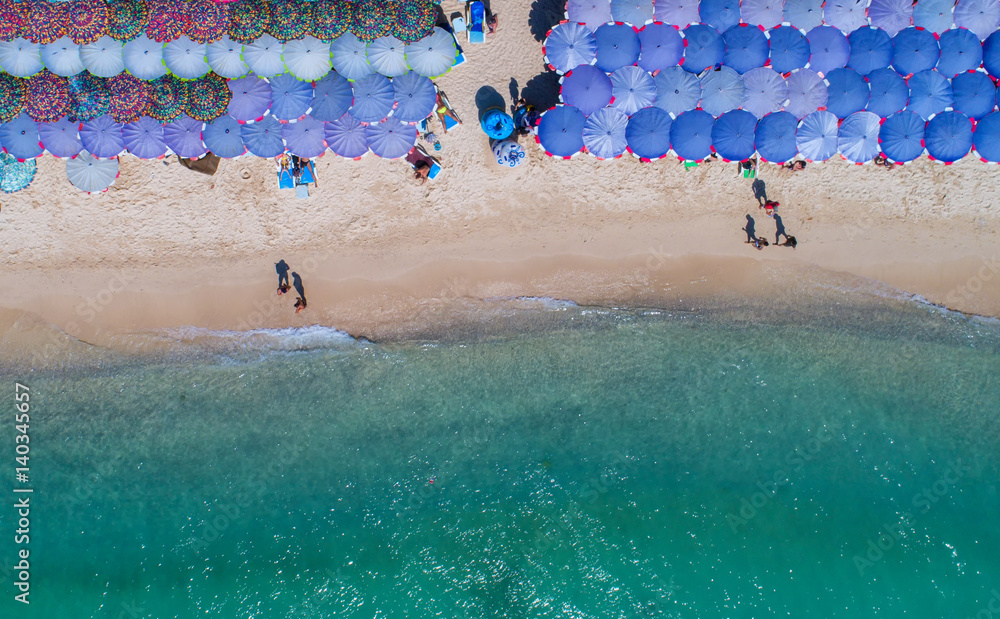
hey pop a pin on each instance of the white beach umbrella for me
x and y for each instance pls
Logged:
(349, 56)
(225, 56)
(144, 58)
(307, 58)
(433, 55)
(103, 57)
(186, 59)
(90, 174)
(387, 55)
(62, 57)
(20, 57)
(263, 56)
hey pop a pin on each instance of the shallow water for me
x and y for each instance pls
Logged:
(577, 462)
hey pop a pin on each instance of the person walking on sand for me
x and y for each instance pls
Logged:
(282, 269)
(779, 229)
(300, 301)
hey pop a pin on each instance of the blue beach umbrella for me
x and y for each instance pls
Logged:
(807, 93)
(183, 137)
(986, 139)
(291, 97)
(569, 45)
(373, 98)
(346, 137)
(804, 14)
(308, 58)
(789, 49)
(20, 137)
(961, 51)
(90, 174)
(733, 135)
(263, 138)
(764, 13)
(415, 97)
(186, 59)
(387, 55)
(632, 89)
(263, 56)
(746, 48)
(847, 92)
(648, 133)
(930, 93)
(349, 56)
(704, 48)
(677, 90)
(890, 16)
(307, 138)
(720, 14)
(816, 136)
(102, 137)
(332, 97)
(62, 57)
(680, 13)
(721, 90)
(829, 49)
(635, 12)
(103, 57)
(20, 57)
(251, 98)
(225, 56)
(765, 91)
(660, 46)
(982, 17)
(434, 55)
(974, 94)
(991, 54)
(61, 138)
(889, 92)
(143, 58)
(948, 136)
(560, 131)
(691, 135)
(871, 49)
(144, 138)
(604, 133)
(224, 137)
(617, 47)
(775, 138)
(846, 15)
(592, 13)
(587, 88)
(857, 139)
(933, 15)
(901, 137)
(914, 50)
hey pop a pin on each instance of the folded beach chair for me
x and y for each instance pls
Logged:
(301, 191)
(458, 25)
(476, 16)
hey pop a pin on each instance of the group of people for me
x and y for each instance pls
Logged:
(283, 269)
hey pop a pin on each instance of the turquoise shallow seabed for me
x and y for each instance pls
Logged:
(595, 463)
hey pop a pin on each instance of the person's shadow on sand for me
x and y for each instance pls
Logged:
(297, 284)
(751, 231)
(759, 191)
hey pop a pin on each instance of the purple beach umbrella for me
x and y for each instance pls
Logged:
(604, 133)
(61, 138)
(846, 15)
(635, 12)
(975, 95)
(704, 48)
(891, 16)
(982, 17)
(307, 138)
(765, 13)
(933, 15)
(871, 49)
(803, 14)
(20, 138)
(765, 91)
(857, 139)
(183, 136)
(346, 137)
(889, 93)
(224, 137)
(691, 135)
(291, 97)
(847, 92)
(373, 98)
(774, 138)
(789, 49)
(592, 13)
(569, 45)
(102, 137)
(816, 136)
(251, 98)
(828, 48)
(144, 138)
(677, 90)
(733, 135)
(560, 131)
(648, 133)
(807, 93)
(332, 97)
(720, 14)
(914, 50)
(948, 136)
(721, 90)
(587, 88)
(632, 89)
(415, 97)
(660, 46)
(901, 137)
(617, 47)
(986, 139)
(391, 139)
(961, 51)
(680, 13)
(930, 94)
(263, 138)
(747, 48)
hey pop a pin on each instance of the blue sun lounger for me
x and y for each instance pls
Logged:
(477, 22)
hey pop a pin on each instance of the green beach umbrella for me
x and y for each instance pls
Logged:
(248, 21)
(208, 21)
(307, 58)
(15, 175)
(168, 96)
(414, 20)
(13, 96)
(20, 57)
(331, 18)
(186, 58)
(62, 57)
(143, 58)
(88, 20)
(290, 19)
(127, 19)
(225, 56)
(373, 19)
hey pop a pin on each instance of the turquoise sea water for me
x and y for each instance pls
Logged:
(575, 463)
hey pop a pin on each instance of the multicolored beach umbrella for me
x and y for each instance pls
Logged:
(47, 21)
(307, 58)
(168, 96)
(127, 19)
(680, 13)
(775, 138)
(248, 21)
(291, 97)
(62, 57)
(846, 15)
(889, 92)
(677, 90)
(183, 137)
(251, 98)
(414, 19)
(90, 97)
(764, 13)
(632, 89)
(648, 133)
(102, 137)
(13, 17)
(415, 97)
(691, 135)
(816, 137)
(635, 12)
(587, 88)
(208, 21)
(144, 138)
(765, 91)
(982, 17)
(803, 14)
(186, 59)
(560, 131)
(591, 13)
(721, 90)
(604, 133)
(208, 98)
(569, 45)
(373, 98)
(961, 51)
(901, 137)
(857, 139)
(16, 175)
(346, 137)
(933, 15)
(930, 94)
(19, 137)
(828, 48)
(991, 54)
(48, 97)
(390, 139)
(387, 55)
(891, 16)
(263, 56)
(88, 21)
(20, 57)
(223, 137)
(746, 48)
(948, 136)
(733, 135)
(13, 97)
(719, 14)
(807, 93)
(332, 97)
(167, 19)
(350, 57)
(704, 48)
(143, 58)
(617, 47)
(975, 95)
(660, 47)
(914, 50)
(289, 19)
(225, 57)
(871, 49)
(789, 49)
(103, 57)
(332, 18)
(373, 19)
(986, 139)
(90, 174)
(263, 138)
(129, 97)
(433, 55)
(847, 92)
(307, 138)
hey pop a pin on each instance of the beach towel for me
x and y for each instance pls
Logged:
(285, 180)
(306, 176)
(477, 22)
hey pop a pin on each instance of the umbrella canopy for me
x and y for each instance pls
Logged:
(308, 58)
(47, 21)
(61, 137)
(372, 19)
(144, 138)
(635, 12)
(677, 90)
(691, 135)
(223, 137)
(186, 59)
(857, 139)
(719, 14)
(62, 57)
(930, 93)
(373, 98)
(765, 91)
(871, 49)
(208, 20)
(433, 55)
(982, 17)
(90, 97)
(350, 57)
(129, 97)
(414, 19)
(587, 88)
(660, 46)
(847, 92)
(991, 54)
(828, 48)
(933, 15)
(746, 48)
(263, 138)
(617, 47)
(974, 94)
(90, 174)
(167, 19)
(891, 16)
(290, 97)
(789, 49)
(20, 57)
(632, 89)
(102, 137)
(680, 13)
(986, 139)
(248, 21)
(143, 58)
(961, 51)
(721, 90)
(208, 98)
(816, 137)
(289, 19)
(569, 45)
(648, 133)
(88, 20)
(415, 97)
(560, 131)
(807, 93)
(914, 50)
(225, 56)
(332, 97)
(13, 96)
(387, 55)
(948, 136)
(705, 48)
(733, 135)
(48, 97)
(346, 137)
(168, 96)
(901, 137)
(889, 92)
(803, 14)
(20, 137)
(127, 19)
(764, 13)
(183, 136)
(390, 138)
(774, 138)
(847, 15)
(103, 57)
(591, 13)
(263, 56)
(604, 133)
(15, 175)
(251, 98)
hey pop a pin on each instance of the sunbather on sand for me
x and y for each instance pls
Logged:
(443, 110)
(491, 23)
(420, 171)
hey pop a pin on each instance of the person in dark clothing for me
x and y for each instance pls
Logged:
(282, 269)
(779, 229)
(790, 242)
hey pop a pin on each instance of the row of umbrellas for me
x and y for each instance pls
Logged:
(307, 58)
(658, 46)
(982, 17)
(652, 133)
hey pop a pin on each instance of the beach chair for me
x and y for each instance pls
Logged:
(306, 175)
(458, 25)
(285, 180)
(690, 164)
(449, 122)
(751, 173)
(301, 191)
(420, 154)
(475, 13)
